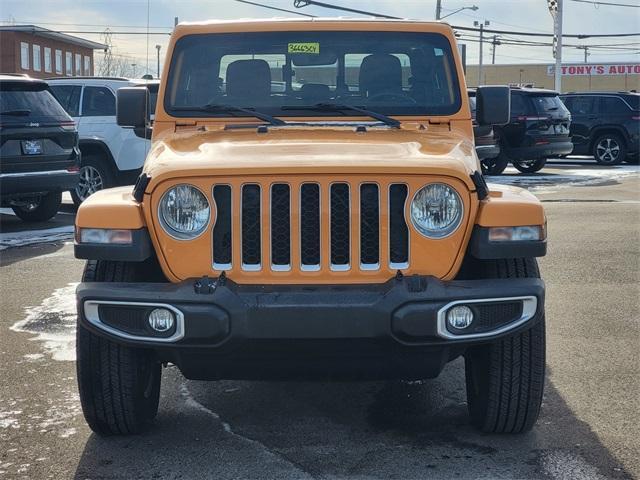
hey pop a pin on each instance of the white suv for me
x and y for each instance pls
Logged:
(111, 155)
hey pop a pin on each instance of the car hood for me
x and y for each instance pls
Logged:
(296, 150)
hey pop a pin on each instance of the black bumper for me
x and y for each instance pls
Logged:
(390, 330)
(37, 182)
(539, 150)
(488, 151)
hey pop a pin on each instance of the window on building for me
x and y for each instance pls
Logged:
(24, 55)
(98, 102)
(87, 65)
(59, 62)
(47, 59)
(69, 97)
(37, 63)
(69, 64)
(78, 64)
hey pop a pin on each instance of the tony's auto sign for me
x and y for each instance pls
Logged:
(597, 69)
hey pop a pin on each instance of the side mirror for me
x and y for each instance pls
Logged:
(493, 105)
(132, 104)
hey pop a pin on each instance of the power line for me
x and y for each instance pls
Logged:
(608, 4)
(304, 3)
(270, 7)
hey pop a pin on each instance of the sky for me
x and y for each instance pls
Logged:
(514, 15)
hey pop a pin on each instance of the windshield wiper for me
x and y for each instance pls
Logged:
(18, 113)
(218, 107)
(336, 107)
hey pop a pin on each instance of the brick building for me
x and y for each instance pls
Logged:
(42, 53)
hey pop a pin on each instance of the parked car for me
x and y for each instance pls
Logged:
(605, 125)
(275, 235)
(539, 128)
(111, 155)
(486, 142)
(39, 154)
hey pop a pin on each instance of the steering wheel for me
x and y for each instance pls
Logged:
(401, 97)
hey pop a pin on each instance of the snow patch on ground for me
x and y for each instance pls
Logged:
(9, 419)
(31, 237)
(54, 323)
(549, 182)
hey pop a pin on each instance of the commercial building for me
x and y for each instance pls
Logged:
(43, 53)
(575, 77)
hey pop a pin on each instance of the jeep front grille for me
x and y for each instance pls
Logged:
(297, 220)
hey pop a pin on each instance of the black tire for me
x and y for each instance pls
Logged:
(494, 166)
(609, 149)
(505, 379)
(119, 386)
(529, 166)
(41, 209)
(96, 174)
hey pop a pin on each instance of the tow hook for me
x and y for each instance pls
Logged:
(207, 285)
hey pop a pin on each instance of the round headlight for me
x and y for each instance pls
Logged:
(436, 210)
(184, 212)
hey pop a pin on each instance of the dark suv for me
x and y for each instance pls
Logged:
(605, 125)
(38, 147)
(539, 128)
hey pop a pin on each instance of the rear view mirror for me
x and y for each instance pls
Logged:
(493, 105)
(132, 107)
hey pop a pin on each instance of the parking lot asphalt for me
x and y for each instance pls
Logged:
(589, 426)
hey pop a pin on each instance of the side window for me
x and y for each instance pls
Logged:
(582, 105)
(98, 102)
(612, 105)
(518, 105)
(68, 96)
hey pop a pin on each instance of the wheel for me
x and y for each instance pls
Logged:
(119, 386)
(529, 166)
(505, 378)
(609, 149)
(95, 174)
(494, 166)
(40, 209)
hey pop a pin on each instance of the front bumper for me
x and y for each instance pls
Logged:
(391, 330)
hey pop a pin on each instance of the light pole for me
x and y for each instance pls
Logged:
(158, 47)
(481, 25)
(558, 34)
(473, 7)
(134, 65)
(495, 42)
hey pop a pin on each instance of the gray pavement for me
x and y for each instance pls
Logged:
(589, 427)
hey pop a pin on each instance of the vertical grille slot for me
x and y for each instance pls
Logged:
(398, 230)
(340, 228)
(222, 229)
(251, 239)
(280, 226)
(310, 226)
(369, 226)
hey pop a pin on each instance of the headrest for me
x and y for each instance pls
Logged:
(380, 72)
(249, 79)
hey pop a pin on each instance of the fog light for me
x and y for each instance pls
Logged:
(161, 320)
(460, 316)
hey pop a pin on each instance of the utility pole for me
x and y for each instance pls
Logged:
(438, 9)
(558, 35)
(586, 52)
(158, 47)
(175, 21)
(481, 25)
(493, 54)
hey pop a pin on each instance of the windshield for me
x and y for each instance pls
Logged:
(281, 73)
(20, 102)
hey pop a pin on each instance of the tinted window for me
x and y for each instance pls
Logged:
(69, 97)
(612, 105)
(633, 100)
(548, 103)
(518, 105)
(32, 102)
(98, 102)
(582, 105)
(390, 72)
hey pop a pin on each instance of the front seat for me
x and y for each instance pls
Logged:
(248, 81)
(380, 73)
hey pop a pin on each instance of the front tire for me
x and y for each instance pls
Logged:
(505, 378)
(119, 386)
(43, 208)
(529, 166)
(609, 149)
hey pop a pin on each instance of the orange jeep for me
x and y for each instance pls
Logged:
(311, 207)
